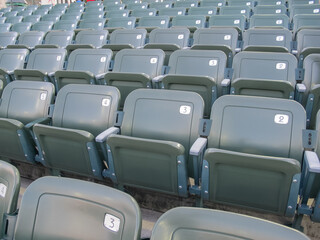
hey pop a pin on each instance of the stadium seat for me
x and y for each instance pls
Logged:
(29, 40)
(304, 9)
(33, 19)
(307, 42)
(271, 2)
(241, 3)
(206, 11)
(40, 12)
(68, 143)
(172, 12)
(267, 74)
(262, 39)
(134, 68)
(51, 208)
(22, 103)
(2, 20)
(58, 39)
(96, 24)
(236, 10)
(5, 27)
(305, 21)
(197, 71)
(134, 6)
(93, 4)
(120, 22)
(212, 3)
(117, 13)
(269, 20)
(94, 10)
(85, 66)
(254, 154)
(65, 25)
(45, 6)
(186, 4)
(14, 20)
(21, 27)
(126, 38)
(151, 23)
(155, 158)
(75, 10)
(138, 13)
(31, 7)
(216, 224)
(270, 9)
(97, 16)
(189, 21)
(52, 18)
(10, 14)
(8, 38)
(71, 16)
(10, 187)
(25, 13)
(169, 40)
(238, 21)
(159, 5)
(42, 64)
(115, 7)
(43, 26)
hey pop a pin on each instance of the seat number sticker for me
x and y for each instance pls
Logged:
(111, 222)
(248, 3)
(278, 3)
(198, 21)
(185, 109)
(3, 190)
(153, 60)
(219, 4)
(180, 36)
(278, 11)
(130, 23)
(243, 11)
(103, 59)
(167, 6)
(227, 37)
(179, 13)
(192, 5)
(281, 119)
(279, 38)
(278, 22)
(43, 96)
(236, 21)
(68, 38)
(124, 15)
(210, 12)
(213, 63)
(311, 2)
(101, 37)
(281, 66)
(162, 22)
(105, 102)
(316, 10)
(58, 58)
(139, 36)
(150, 13)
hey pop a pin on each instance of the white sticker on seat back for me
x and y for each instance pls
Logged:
(43, 96)
(316, 10)
(279, 38)
(213, 63)
(105, 102)
(180, 36)
(139, 36)
(243, 11)
(278, 11)
(101, 37)
(236, 21)
(103, 59)
(227, 37)
(3, 190)
(278, 22)
(281, 119)
(58, 58)
(130, 23)
(278, 3)
(198, 21)
(163, 22)
(153, 60)
(281, 66)
(184, 109)
(311, 2)
(111, 222)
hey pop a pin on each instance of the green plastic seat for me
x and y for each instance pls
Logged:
(305, 21)
(22, 103)
(254, 154)
(89, 15)
(33, 18)
(72, 16)
(10, 14)
(5, 27)
(158, 128)
(13, 20)
(42, 26)
(241, 3)
(270, 9)
(41, 11)
(169, 40)
(159, 5)
(121, 22)
(10, 187)
(138, 13)
(96, 10)
(117, 13)
(214, 3)
(307, 42)
(75, 10)
(237, 21)
(301, 2)
(191, 22)
(85, 66)
(236, 10)
(31, 7)
(115, 7)
(262, 38)
(8, 38)
(93, 4)
(63, 208)
(271, 2)
(197, 71)
(68, 143)
(29, 40)
(58, 39)
(10, 59)
(134, 6)
(2, 20)
(21, 27)
(267, 74)
(223, 38)
(60, 6)
(151, 23)
(209, 224)
(96, 24)
(207, 11)
(42, 64)
(52, 18)
(269, 20)
(304, 9)
(65, 25)
(134, 68)
(186, 4)
(172, 12)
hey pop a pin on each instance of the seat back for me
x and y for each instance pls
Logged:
(241, 3)
(14, 20)
(41, 12)
(207, 11)
(121, 22)
(134, 37)
(59, 38)
(71, 16)
(159, 5)
(96, 24)
(8, 38)
(9, 190)
(89, 15)
(31, 38)
(267, 37)
(171, 12)
(215, 3)
(187, 3)
(51, 208)
(143, 12)
(189, 21)
(270, 9)
(269, 20)
(155, 21)
(117, 13)
(134, 6)
(304, 9)
(67, 25)
(97, 38)
(47, 59)
(51, 17)
(236, 10)
(306, 21)
(148, 61)
(95, 61)
(33, 19)
(2, 20)
(216, 224)
(11, 59)
(307, 39)
(43, 26)
(21, 27)
(177, 36)
(238, 21)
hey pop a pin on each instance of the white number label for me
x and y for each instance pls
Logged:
(3, 190)
(130, 23)
(315, 10)
(143, 7)
(248, 3)
(103, 59)
(167, 6)
(43, 96)
(153, 60)
(227, 37)
(281, 66)
(105, 102)
(192, 5)
(278, 3)
(219, 4)
(180, 36)
(185, 109)
(124, 15)
(139, 36)
(236, 21)
(278, 22)
(179, 13)
(198, 21)
(58, 58)
(210, 12)
(162, 22)
(243, 11)
(68, 38)
(101, 37)
(311, 2)
(278, 11)
(111, 222)
(281, 119)
(150, 13)
(279, 38)
(213, 63)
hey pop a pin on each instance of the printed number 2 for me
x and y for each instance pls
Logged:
(281, 119)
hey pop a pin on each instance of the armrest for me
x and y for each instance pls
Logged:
(312, 162)
(301, 88)
(44, 120)
(225, 82)
(102, 137)
(100, 76)
(157, 79)
(294, 52)
(198, 146)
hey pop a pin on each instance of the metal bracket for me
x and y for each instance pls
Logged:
(205, 180)
(293, 195)
(309, 138)
(182, 176)
(205, 127)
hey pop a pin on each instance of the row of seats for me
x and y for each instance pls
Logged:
(191, 21)
(51, 208)
(253, 155)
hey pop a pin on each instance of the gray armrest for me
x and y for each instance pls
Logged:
(51, 74)
(100, 76)
(157, 79)
(198, 146)
(238, 50)
(294, 52)
(225, 82)
(312, 161)
(301, 88)
(102, 137)
(44, 120)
